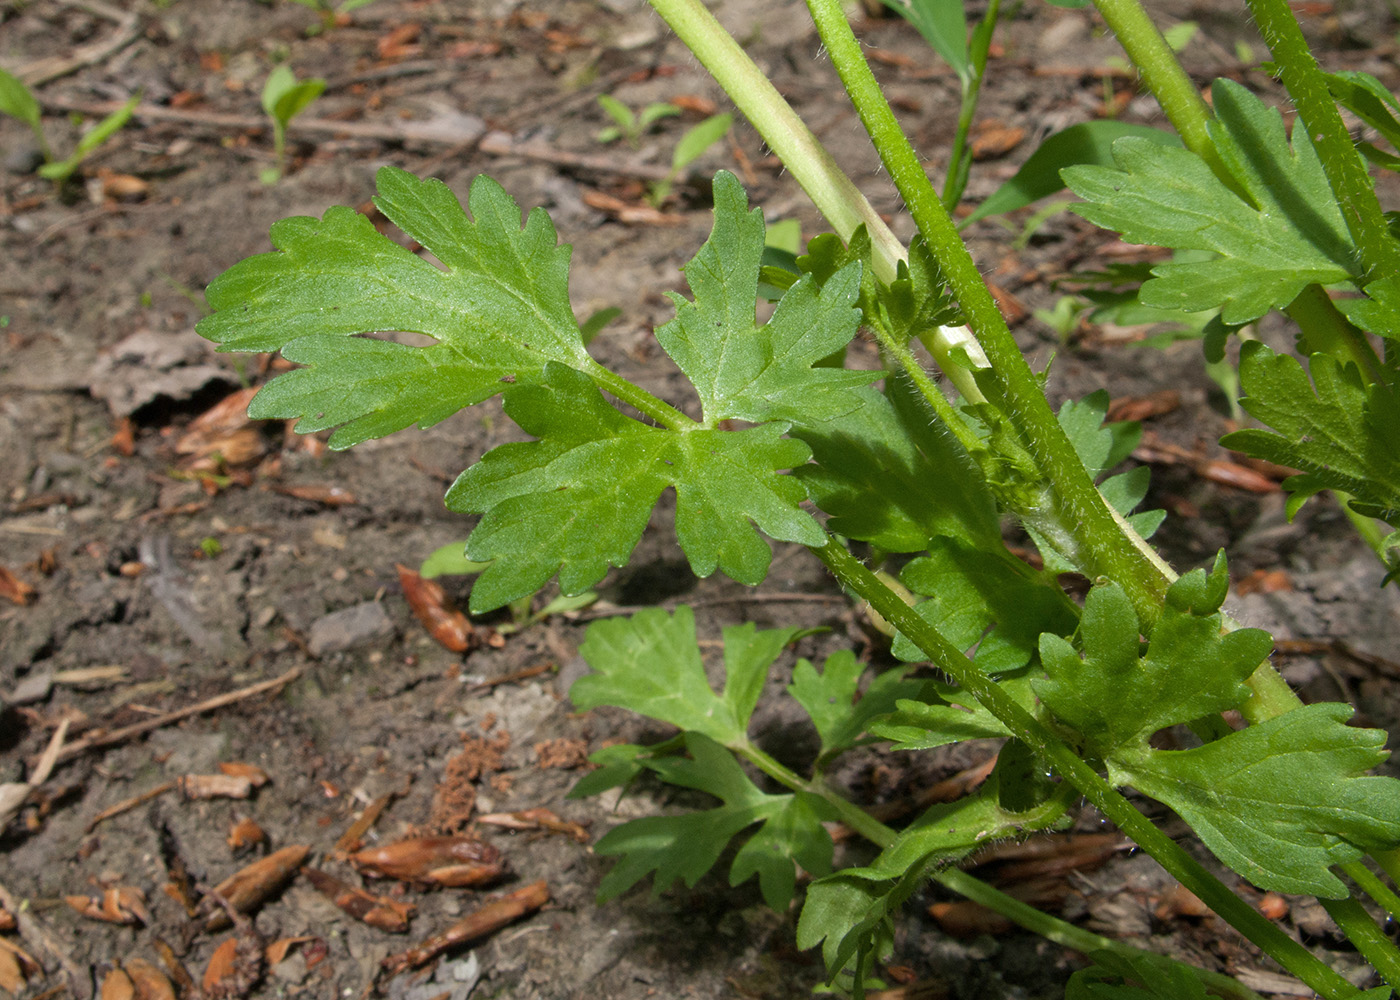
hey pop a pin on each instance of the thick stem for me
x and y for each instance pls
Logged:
(1163, 75)
(1081, 510)
(1049, 748)
(1346, 171)
(1372, 886)
(835, 195)
(1369, 939)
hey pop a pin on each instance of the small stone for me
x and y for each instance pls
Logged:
(35, 687)
(24, 159)
(349, 628)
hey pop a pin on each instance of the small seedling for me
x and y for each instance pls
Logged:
(331, 14)
(631, 125)
(692, 146)
(283, 98)
(18, 101)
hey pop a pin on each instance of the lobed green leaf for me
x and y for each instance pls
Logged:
(684, 847)
(497, 307)
(839, 710)
(1290, 236)
(1281, 801)
(746, 372)
(1116, 697)
(1338, 430)
(650, 664)
(576, 501)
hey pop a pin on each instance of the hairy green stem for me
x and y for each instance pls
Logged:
(1346, 171)
(1369, 939)
(835, 194)
(897, 350)
(1051, 928)
(1163, 75)
(1187, 870)
(1070, 936)
(1080, 510)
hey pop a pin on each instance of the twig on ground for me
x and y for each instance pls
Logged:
(1312, 647)
(14, 794)
(513, 676)
(128, 29)
(116, 736)
(129, 804)
(397, 131)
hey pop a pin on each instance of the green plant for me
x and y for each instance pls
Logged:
(283, 98)
(631, 125)
(18, 101)
(332, 14)
(944, 27)
(692, 145)
(1076, 691)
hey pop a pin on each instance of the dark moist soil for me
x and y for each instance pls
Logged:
(193, 587)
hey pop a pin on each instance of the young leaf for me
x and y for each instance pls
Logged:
(1339, 431)
(449, 560)
(1169, 197)
(617, 765)
(830, 698)
(653, 113)
(944, 27)
(849, 913)
(1369, 99)
(699, 138)
(61, 169)
(650, 664)
(945, 714)
(619, 113)
(1282, 801)
(746, 372)
(576, 501)
(684, 847)
(1117, 697)
(1084, 144)
(498, 309)
(17, 101)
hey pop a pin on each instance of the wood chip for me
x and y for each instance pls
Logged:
(444, 623)
(438, 861)
(150, 982)
(13, 589)
(386, 914)
(248, 887)
(487, 920)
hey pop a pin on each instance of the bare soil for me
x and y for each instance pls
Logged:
(196, 581)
